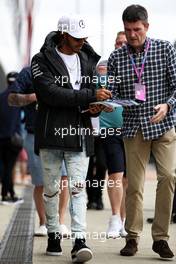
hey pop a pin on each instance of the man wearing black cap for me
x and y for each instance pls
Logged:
(62, 76)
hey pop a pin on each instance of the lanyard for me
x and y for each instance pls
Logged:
(139, 75)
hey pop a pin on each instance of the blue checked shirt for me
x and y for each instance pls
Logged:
(159, 76)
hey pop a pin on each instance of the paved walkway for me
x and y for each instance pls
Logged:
(105, 251)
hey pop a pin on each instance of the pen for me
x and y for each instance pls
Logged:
(84, 111)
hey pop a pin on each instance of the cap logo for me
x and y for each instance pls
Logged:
(81, 23)
(11, 79)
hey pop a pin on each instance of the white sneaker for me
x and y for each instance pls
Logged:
(115, 225)
(123, 232)
(41, 231)
(65, 233)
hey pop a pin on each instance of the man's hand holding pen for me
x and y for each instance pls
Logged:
(101, 94)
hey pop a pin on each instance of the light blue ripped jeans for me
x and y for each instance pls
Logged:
(76, 165)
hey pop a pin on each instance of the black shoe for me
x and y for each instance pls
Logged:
(11, 200)
(6, 200)
(80, 252)
(150, 220)
(130, 248)
(100, 205)
(162, 248)
(17, 200)
(91, 205)
(54, 248)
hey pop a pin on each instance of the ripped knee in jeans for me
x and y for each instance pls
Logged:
(77, 188)
(46, 196)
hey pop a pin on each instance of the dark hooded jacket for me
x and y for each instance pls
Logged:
(10, 117)
(60, 118)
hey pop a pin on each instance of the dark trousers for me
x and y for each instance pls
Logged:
(174, 203)
(96, 173)
(8, 157)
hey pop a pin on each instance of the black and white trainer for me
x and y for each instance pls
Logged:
(80, 252)
(54, 248)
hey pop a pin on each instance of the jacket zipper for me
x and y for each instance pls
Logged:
(46, 122)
